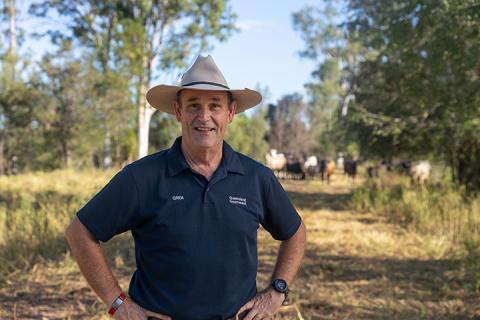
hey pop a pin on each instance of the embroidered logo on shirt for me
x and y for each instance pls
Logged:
(237, 200)
(177, 198)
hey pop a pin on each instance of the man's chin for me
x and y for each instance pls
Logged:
(206, 142)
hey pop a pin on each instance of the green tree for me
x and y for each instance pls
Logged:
(164, 129)
(328, 43)
(288, 131)
(418, 93)
(165, 33)
(17, 126)
(66, 109)
(246, 134)
(16, 96)
(248, 131)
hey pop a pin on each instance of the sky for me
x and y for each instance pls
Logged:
(264, 52)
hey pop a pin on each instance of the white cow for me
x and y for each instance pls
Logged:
(276, 161)
(420, 171)
(312, 161)
(311, 166)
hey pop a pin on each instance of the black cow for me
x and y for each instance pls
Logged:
(295, 167)
(350, 168)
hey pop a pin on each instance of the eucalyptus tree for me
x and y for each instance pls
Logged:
(142, 37)
(327, 42)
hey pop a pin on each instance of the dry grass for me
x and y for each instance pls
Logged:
(357, 266)
(35, 209)
(65, 182)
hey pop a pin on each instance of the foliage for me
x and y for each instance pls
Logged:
(17, 115)
(418, 94)
(439, 208)
(288, 131)
(402, 78)
(136, 36)
(246, 134)
(164, 129)
(248, 131)
(328, 44)
(76, 107)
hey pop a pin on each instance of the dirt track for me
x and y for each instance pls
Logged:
(357, 266)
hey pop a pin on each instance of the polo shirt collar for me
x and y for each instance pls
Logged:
(231, 160)
(177, 163)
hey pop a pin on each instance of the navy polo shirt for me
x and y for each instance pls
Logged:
(195, 240)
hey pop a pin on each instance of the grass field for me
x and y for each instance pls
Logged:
(358, 263)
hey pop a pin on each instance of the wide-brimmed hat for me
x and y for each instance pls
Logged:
(202, 75)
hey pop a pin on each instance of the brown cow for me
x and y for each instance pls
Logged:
(327, 167)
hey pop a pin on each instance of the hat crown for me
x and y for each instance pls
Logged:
(204, 70)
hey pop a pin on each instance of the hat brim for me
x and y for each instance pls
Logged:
(161, 97)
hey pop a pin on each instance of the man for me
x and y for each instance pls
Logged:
(193, 211)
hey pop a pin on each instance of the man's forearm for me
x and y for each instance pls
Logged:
(92, 262)
(290, 256)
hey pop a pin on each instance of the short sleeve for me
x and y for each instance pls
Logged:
(280, 217)
(114, 209)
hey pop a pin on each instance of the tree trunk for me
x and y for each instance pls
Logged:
(107, 154)
(145, 111)
(13, 35)
(66, 154)
(2, 162)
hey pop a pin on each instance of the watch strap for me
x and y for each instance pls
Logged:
(117, 303)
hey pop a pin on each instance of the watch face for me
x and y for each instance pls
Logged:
(117, 303)
(280, 285)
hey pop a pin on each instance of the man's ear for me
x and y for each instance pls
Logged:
(232, 110)
(178, 110)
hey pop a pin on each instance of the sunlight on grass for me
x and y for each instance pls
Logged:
(374, 254)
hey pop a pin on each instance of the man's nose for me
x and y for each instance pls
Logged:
(204, 114)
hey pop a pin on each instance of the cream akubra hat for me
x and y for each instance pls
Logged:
(202, 75)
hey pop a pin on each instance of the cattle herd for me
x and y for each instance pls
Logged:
(289, 166)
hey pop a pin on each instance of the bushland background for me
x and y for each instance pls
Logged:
(394, 80)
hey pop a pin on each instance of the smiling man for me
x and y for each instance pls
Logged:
(194, 211)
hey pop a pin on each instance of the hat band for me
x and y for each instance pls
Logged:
(205, 82)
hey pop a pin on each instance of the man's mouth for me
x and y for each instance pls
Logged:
(204, 129)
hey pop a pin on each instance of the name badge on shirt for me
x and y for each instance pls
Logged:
(237, 200)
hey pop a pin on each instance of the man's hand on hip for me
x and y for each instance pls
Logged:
(262, 306)
(129, 310)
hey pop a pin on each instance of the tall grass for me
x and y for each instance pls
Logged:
(35, 209)
(439, 209)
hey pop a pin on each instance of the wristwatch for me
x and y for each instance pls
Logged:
(281, 286)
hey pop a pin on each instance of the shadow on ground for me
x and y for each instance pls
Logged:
(383, 288)
(320, 200)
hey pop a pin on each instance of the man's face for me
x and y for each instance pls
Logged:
(204, 116)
